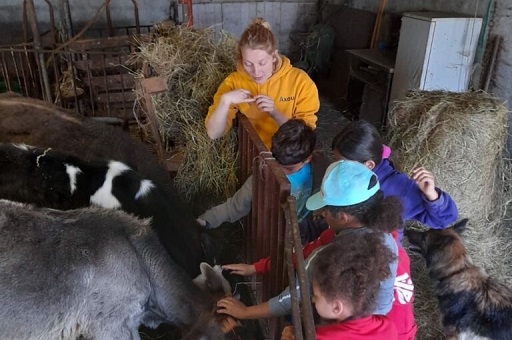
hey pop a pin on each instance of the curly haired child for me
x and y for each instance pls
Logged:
(346, 276)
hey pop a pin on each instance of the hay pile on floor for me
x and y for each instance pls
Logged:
(460, 137)
(194, 62)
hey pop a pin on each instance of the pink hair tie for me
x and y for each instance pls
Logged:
(386, 151)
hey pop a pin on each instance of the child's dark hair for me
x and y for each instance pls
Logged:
(377, 212)
(352, 268)
(293, 142)
(359, 141)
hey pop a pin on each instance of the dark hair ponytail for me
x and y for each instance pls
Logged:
(359, 141)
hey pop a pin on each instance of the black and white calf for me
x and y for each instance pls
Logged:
(94, 273)
(57, 180)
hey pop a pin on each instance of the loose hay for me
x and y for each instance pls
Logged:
(460, 137)
(194, 61)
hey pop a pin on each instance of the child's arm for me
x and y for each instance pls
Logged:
(263, 266)
(232, 210)
(434, 207)
(426, 183)
(235, 308)
(240, 269)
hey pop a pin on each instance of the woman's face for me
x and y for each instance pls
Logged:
(258, 64)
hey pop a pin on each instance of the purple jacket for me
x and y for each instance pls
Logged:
(438, 214)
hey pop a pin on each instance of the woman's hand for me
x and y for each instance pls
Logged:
(237, 96)
(266, 104)
(240, 269)
(231, 306)
(216, 124)
(426, 183)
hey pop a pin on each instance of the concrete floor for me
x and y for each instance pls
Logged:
(330, 121)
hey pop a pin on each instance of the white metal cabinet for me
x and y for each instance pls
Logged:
(435, 52)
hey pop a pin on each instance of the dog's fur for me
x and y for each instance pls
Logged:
(473, 305)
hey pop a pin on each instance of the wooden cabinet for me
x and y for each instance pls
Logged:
(435, 52)
(370, 77)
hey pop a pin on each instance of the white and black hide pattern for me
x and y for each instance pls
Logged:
(52, 179)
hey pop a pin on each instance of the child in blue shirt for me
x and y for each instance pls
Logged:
(293, 148)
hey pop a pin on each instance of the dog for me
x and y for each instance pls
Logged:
(473, 305)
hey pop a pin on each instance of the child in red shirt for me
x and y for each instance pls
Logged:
(346, 277)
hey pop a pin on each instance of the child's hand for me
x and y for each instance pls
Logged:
(288, 333)
(229, 324)
(425, 181)
(231, 306)
(240, 269)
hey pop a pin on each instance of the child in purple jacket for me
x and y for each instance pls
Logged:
(422, 201)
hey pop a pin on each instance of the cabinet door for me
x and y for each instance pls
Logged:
(410, 57)
(450, 54)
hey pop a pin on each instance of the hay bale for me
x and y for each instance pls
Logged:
(194, 62)
(460, 137)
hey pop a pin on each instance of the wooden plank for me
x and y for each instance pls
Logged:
(112, 82)
(289, 15)
(273, 16)
(100, 63)
(102, 43)
(238, 1)
(115, 97)
(260, 9)
(208, 16)
(200, 16)
(234, 22)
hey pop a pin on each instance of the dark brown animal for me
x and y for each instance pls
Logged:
(473, 305)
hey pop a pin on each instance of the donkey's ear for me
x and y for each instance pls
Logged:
(202, 280)
(460, 226)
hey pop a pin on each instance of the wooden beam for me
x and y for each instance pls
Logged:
(378, 23)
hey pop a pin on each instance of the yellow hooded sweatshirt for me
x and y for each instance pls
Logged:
(294, 93)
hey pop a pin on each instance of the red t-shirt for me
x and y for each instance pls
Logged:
(402, 311)
(326, 237)
(374, 327)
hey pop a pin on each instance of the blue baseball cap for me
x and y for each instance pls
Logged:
(345, 183)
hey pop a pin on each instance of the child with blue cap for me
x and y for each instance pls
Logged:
(421, 199)
(351, 202)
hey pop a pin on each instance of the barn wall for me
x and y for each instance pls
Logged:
(232, 16)
(285, 17)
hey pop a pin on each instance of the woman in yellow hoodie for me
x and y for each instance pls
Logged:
(266, 88)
